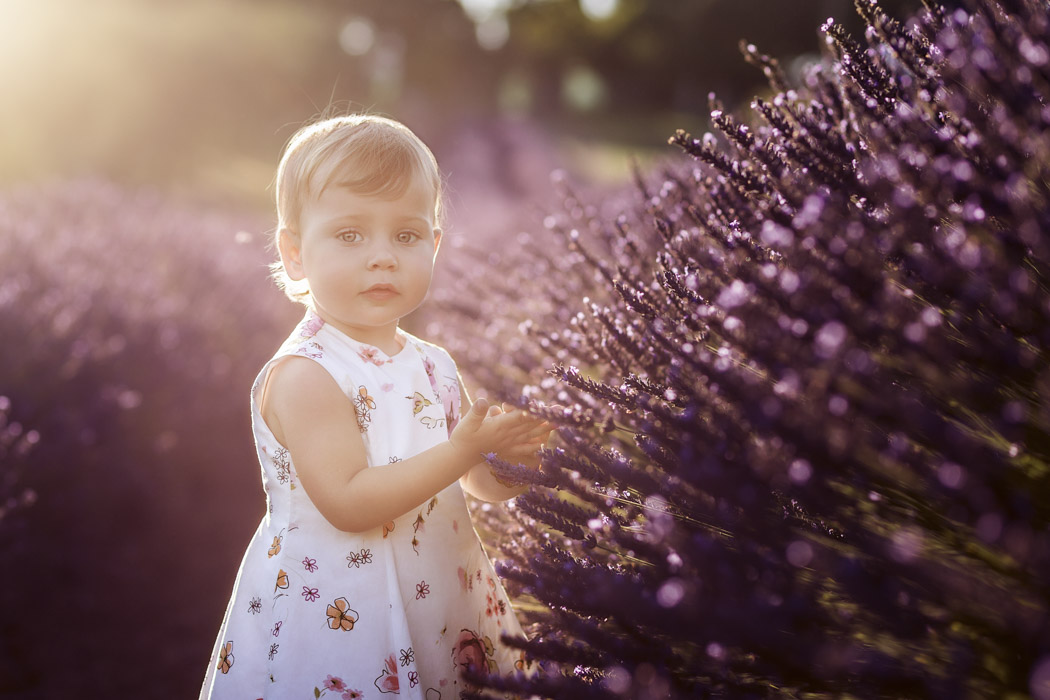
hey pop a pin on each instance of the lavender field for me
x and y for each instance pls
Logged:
(127, 321)
(800, 372)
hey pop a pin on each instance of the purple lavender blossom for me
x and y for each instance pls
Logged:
(804, 441)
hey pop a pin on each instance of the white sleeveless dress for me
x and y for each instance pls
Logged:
(399, 610)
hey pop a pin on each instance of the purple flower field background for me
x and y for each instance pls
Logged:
(804, 442)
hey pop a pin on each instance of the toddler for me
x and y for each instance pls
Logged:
(365, 577)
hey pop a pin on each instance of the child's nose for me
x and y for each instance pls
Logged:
(382, 257)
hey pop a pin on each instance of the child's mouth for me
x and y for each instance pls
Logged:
(379, 292)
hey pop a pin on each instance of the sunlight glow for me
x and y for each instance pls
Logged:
(480, 10)
(357, 36)
(492, 32)
(583, 89)
(598, 10)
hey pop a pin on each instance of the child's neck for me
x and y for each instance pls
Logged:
(391, 346)
(386, 338)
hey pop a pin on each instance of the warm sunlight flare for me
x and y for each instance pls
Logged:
(606, 349)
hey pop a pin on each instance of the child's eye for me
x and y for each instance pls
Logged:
(349, 236)
(408, 236)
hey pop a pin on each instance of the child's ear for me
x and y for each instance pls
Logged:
(437, 241)
(289, 245)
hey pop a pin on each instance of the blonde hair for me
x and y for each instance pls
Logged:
(367, 154)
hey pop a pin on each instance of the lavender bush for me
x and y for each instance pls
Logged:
(806, 442)
(129, 319)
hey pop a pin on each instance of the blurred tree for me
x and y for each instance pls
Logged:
(205, 93)
(654, 58)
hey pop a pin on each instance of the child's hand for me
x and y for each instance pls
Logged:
(513, 434)
(531, 460)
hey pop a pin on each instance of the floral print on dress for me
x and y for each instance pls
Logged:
(432, 422)
(311, 627)
(364, 404)
(419, 402)
(282, 464)
(312, 350)
(341, 616)
(523, 663)
(447, 395)
(311, 326)
(335, 684)
(387, 682)
(474, 653)
(450, 398)
(356, 560)
(495, 606)
(226, 657)
(373, 355)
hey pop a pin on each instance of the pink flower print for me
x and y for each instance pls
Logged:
(310, 594)
(273, 650)
(387, 387)
(387, 681)
(422, 590)
(255, 606)
(502, 606)
(491, 581)
(461, 574)
(449, 395)
(311, 326)
(471, 651)
(428, 365)
(366, 556)
(352, 695)
(276, 631)
(372, 355)
(310, 564)
(413, 679)
(334, 683)
(408, 656)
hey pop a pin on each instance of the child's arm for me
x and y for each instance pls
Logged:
(479, 481)
(314, 419)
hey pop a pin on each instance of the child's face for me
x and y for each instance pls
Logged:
(368, 260)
